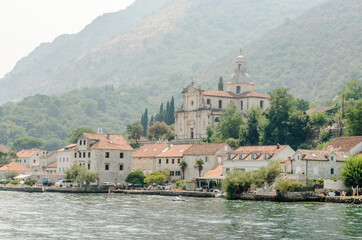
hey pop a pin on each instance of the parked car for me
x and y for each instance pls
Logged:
(65, 183)
(164, 187)
(48, 183)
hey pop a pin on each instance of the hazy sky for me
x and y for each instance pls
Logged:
(24, 24)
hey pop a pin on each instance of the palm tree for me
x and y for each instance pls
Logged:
(199, 163)
(183, 166)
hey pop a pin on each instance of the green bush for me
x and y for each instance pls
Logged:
(30, 182)
(324, 136)
(5, 182)
(14, 182)
(284, 186)
(181, 184)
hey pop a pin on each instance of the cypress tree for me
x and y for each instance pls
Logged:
(221, 84)
(167, 113)
(172, 111)
(145, 123)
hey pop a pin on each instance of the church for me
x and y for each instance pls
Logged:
(203, 107)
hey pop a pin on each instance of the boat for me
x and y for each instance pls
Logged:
(179, 198)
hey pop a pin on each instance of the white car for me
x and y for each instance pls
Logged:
(65, 183)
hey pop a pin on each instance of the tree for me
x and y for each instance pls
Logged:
(352, 90)
(354, 119)
(159, 130)
(172, 111)
(144, 122)
(81, 174)
(156, 177)
(299, 128)
(230, 123)
(7, 157)
(351, 171)
(183, 166)
(27, 143)
(276, 129)
(270, 172)
(199, 164)
(301, 104)
(134, 131)
(136, 177)
(318, 119)
(220, 86)
(74, 135)
(251, 133)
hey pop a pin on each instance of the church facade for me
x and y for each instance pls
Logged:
(203, 107)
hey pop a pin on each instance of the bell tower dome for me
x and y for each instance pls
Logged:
(240, 80)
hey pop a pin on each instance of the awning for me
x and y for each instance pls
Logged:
(22, 176)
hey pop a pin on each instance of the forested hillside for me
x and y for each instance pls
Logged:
(127, 47)
(314, 55)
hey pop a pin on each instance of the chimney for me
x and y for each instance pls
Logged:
(108, 136)
(278, 145)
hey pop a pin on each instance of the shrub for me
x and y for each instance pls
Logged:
(324, 136)
(351, 171)
(5, 182)
(181, 184)
(284, 186)
(14, 182)
(322, 145)
(30, 182)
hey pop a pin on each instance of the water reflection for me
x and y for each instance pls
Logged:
(101, 216)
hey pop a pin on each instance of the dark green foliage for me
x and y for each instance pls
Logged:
(352, 90)
(159, 130)
(351, 171)
(298, 128)
(199, 165)
(220, 86)
(30, 182)
(27, 143)
(251, 132)
(230, 122)
(74, 135)
(134, 131)
(301, 104)
(324, 135)
(165, 115)
(144, 122)
(183, 166)
(7, 157)
(354, 119)
(136, 177)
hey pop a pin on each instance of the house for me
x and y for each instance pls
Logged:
(51, 168)
(46, 159)
(313, 164)
(15, 167)
(108, 154)
(212, 154)
(352, 145)
(144, 158)
(170, 158)
(3, 149)
(65, 158)
(31, 158)
(202, 107)
(250, 158)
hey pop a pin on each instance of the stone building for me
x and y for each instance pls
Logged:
(203, 107)
(65, 158)
(250, 158)
(145, 158)
(108, 154)
(31, 158)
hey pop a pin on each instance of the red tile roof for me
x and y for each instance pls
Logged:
(3, 148)
(15, 167)
(25, 153)
(150, 150)
(70, 147)
(108, 142)
(253, 94)
(344, 144)
(214, 172)
(204, 149)
(142, 139)
(259, 149)
(316, 110)
(321, 155)
(174, 151)
(52, 165)
(218, 93)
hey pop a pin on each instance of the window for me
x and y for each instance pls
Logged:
(88, 166)
(89, 154)
(79, 154)
(178, 161)
(238, 89)
(60, 170)
(106, 167)
(63, 159)
(173, 161)
(252, 156)
(107, 154)
(159, 161)
(172, 173)
(241, 105)
(121, 167)
(83, 154)
(205, 159)
(240, 156)
(75, 155)
(67, 159)
(63, 169)
(239, 67)
(220, 103)
(166, 160)
(24, 160)
(332, 171)
(121, 155)
(216, 119)
(192, 103)
(60, 159)
(34, 160)
(178, 173)
(208, 101)
(83, 142)
(80, 142)
(261, 104)
(332, 158)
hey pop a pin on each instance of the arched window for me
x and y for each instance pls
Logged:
(238, 89)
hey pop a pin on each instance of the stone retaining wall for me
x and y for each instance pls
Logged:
(167, 193)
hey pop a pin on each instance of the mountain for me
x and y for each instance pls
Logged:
(146, 41)
(314, 54)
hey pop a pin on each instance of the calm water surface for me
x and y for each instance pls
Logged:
(102, 216)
